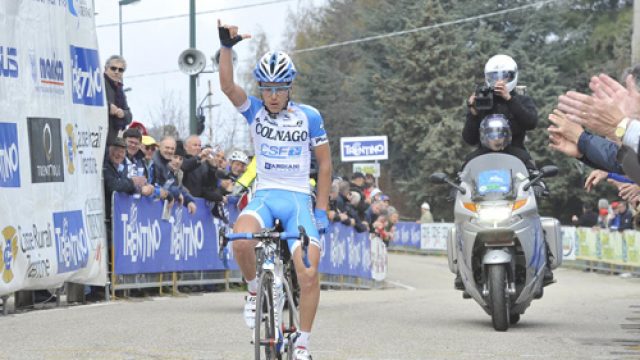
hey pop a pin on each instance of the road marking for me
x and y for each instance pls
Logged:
(399, 284)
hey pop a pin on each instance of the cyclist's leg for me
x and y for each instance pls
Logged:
(253, 218)
(308, 278)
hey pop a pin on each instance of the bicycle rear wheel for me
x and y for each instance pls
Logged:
(265, 341)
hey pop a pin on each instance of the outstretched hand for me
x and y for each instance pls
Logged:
(229, 35)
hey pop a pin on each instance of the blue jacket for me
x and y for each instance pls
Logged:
(599, 153)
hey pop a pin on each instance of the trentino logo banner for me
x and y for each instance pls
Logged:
(86, 77)
(9, 156)
(45, 150)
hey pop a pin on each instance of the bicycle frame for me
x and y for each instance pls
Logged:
(270, 268)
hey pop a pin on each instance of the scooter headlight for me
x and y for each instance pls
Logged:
(494, 213)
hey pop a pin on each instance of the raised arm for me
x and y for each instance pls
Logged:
(229, 37)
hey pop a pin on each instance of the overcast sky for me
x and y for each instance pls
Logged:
(153, 47)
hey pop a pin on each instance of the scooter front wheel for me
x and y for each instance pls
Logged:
(498, 296)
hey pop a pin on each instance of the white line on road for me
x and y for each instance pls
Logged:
(399, 284)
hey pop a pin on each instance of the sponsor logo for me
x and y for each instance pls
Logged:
(280, 152)
(186, 239)
(281, 135)
(8, 62)
(70, 144)
(94, 218)
(71, 241)
(77, 8)
(282, 167)
(45, 147)
(32, 240)
(87, 80)
(141, 239)
(9, 156)
(47, 73)
(9, 247)
(364, 148)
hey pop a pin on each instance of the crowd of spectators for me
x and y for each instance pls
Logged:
(602, 130)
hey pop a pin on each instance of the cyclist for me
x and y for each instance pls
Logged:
(284, 135)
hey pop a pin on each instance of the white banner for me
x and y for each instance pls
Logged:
(53, 123)
(379, 260)
(434, 236)
(367, 168)
(568, 242)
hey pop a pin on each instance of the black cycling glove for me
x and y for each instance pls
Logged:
(225, 37)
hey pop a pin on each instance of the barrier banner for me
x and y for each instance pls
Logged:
(434, 236)
(145, 243)
(407, 235)
(53, 124)
(379, 260)
(346, 252)
(568, 242)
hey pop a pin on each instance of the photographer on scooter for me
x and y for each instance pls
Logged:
(498, 96)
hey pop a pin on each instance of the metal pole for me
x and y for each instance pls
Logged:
(120, 25)
(635, 37)
(210, 103)
(192, 79)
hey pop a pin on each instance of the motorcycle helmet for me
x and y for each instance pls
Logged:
(275, 66)
(495, 132)
(239, 156)
(501, 67)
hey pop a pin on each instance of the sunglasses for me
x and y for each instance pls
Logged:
(275, 89)
(149, 147)
(117, 69)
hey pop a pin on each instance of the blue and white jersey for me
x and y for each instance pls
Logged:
(283, 144)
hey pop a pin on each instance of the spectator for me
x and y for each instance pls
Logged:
(200, 168)
(357, 184)
(374, 195)
(119, 112)
(176, 175)
(380, 226)
(371, 215)
(623, 219)
(603, 218)
(238, 164)
(149, 147)
(162, 157)
(589, 218)
(426, 216)
(115, 176)
(135, 156)
(140, 126)
(345, 212)
(369, 185)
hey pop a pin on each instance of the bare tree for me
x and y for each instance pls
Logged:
(169, 118)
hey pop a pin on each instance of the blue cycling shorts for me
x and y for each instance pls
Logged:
(292, 208)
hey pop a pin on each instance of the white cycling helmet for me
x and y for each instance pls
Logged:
(239, 156)
(275, 66)
(501, 67)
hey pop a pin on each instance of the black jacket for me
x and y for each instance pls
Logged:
(520, 110)
(342, 205)
(115, 180)
(116, 96)
(200, 179)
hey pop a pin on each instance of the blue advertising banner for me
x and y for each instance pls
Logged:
(363, 148)
(71, 241)
(87, 80)
(146, 243)
(407, 234)
(345, 252)
(9, 156)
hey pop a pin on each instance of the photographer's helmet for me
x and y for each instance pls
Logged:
(239, 156)
(501, 67)
(275, 67)
(495, 132)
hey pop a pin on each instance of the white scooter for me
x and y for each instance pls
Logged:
(500, 245)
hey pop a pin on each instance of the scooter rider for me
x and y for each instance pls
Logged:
(501, 76)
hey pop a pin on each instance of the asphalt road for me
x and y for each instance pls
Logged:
(418, 316)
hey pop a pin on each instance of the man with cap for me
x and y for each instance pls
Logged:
(357, 185)
(149, 148)
(426, 216)
(116, 178)
(135, 156)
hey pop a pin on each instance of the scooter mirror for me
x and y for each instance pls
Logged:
(438, 178)
(549, 171)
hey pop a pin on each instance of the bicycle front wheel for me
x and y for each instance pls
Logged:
(265, 340)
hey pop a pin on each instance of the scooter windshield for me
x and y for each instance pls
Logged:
(494, 176)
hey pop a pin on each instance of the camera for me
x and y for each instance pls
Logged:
(484, 97)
